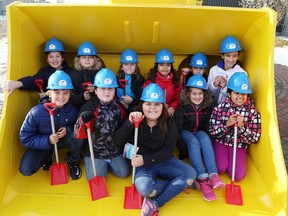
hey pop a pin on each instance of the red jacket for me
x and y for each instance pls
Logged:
(172, 91)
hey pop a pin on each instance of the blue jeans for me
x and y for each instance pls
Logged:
(34, 159)
(201, 153)
(118, 166)
(167, 179)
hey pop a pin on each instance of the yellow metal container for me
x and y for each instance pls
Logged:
(112, 26)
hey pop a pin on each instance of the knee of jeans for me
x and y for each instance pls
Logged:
(144, 186)
(25, 172)
(190, 182)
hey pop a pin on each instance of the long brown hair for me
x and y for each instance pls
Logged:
(162, 122)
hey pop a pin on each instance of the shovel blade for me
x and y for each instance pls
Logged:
(58, 174)
(133, 200)
(98, 188)
(233, 194)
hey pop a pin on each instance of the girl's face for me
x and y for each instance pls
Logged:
(129, 68)
(60, 97)
(196, 70)
(152, 110)
(238, 98)
(87, 62)
(164, 69)
(230, 59)
(196, 95)
(105, 94)
(55, 60)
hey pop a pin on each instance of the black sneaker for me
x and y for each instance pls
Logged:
(47, 164)
(75, 171)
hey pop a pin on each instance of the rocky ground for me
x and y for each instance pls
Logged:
(3, 59)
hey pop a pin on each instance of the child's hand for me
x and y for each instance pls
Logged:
(127, 99)
(53, 138)
(137, 161)
(232, 120)
(87, 95)
(42, 94)
(185, 71)
(170, 111)
(12, 85)
(62, 132)
(220, 81)
(90, 88)
(240, 120)
(138, 116)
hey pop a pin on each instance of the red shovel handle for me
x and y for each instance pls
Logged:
(137, 122)
(85, 85)
(123, 82)
(39, 83)
(50, 107)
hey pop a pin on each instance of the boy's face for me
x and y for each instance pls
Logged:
(230, 59)
(105, 94)
(129, 68)
(197, 70)
(55, 60)
(60, 97)
(164, 69)
(87, 62)
(196, 95)
(238, 98)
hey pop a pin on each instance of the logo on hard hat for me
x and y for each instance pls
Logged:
(108, 81)
(87, 50)
(244, 87)
(52, 47)
(199, 83)
(166, 57)
(199, 62)
(62, 83)
(232, 46)
(129, 58)
(154, 95)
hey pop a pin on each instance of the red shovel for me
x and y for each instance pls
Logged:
(97, 184)
(233, 192)
(123, 83)
(85, 85)
(133, 200)
(39, 83)
(58, 172)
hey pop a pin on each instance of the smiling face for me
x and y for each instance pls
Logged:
(129, 68)
(196, 95)
(230, 59)
(87, 62)
(55, 60)
(105, 94)
(238, 98)
(152, 110)
(164, 69)
(60, 97)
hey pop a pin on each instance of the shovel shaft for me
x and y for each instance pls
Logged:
(234, 151)
(91, 149)
(55, 144)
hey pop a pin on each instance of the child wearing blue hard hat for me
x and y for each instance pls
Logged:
(159, 176)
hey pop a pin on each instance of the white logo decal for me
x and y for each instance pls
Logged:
(107, 81)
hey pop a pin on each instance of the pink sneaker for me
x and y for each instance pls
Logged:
(149, 208)
(216, 182)
(207, 192)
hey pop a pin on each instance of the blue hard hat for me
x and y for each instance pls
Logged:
(199, 60)
(239, 82)
(230, 44)
(164, 56)
(105, 78)
(59, 80)
(153, 93)
(129, 56)
(54, 45)
(197, 81)
(86, 49)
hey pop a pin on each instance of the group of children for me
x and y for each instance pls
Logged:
(194, 112)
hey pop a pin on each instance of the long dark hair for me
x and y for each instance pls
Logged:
(152, 75)
(162, 122)
(121, 73)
